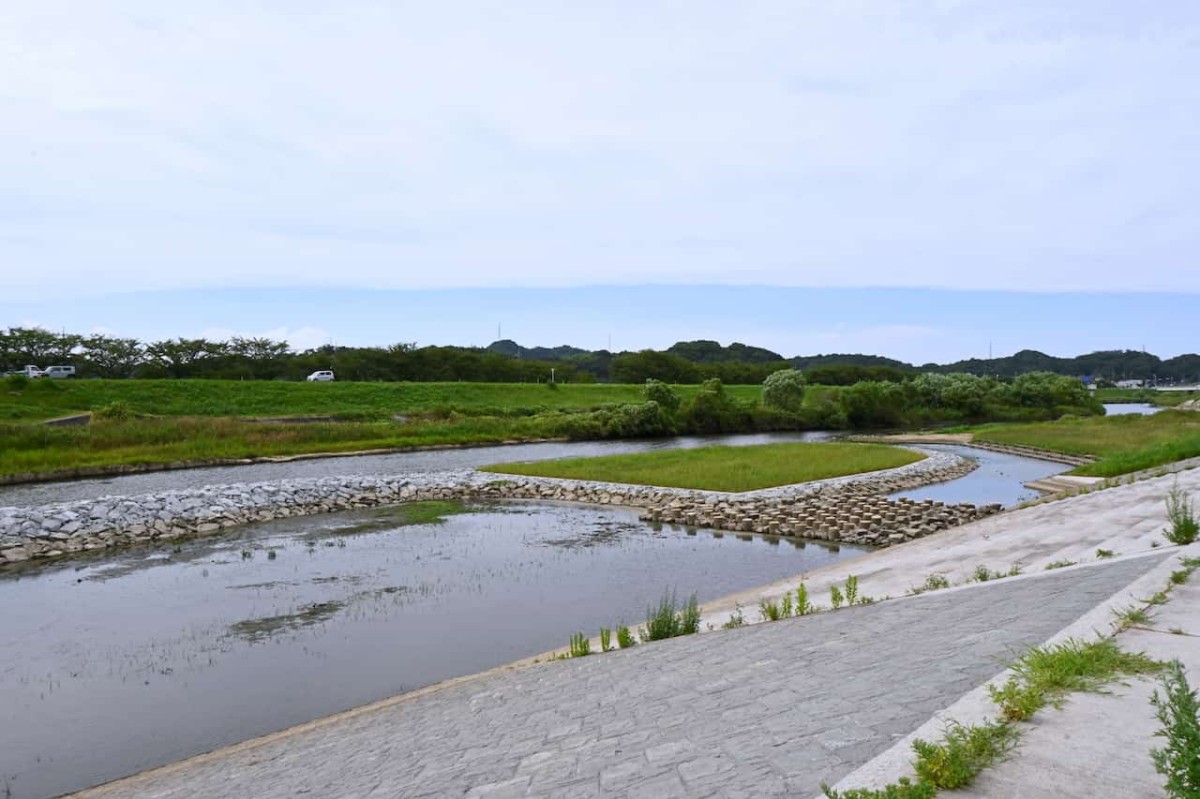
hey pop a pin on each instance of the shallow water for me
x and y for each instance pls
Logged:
(118, 665)
(1125, 408)
(396, 463)
(999, 478)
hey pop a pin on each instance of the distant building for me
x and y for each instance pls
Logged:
(1130, 383)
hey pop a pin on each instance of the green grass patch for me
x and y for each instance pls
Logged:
(1044, 675)
(1122, 444)
(27, 448)
(44, 399)
(723, 468)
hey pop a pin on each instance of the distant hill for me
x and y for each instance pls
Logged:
(1105, 364)
(514, 350)
(704, 351)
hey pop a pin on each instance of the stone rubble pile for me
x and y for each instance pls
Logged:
(851, 509)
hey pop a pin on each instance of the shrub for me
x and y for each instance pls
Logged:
(664, 395)
(711, 410)
(624, 637)
(1181, 514)
(1178, 712)
(16, 382)
(118, 411)
(835, 596)
(784, 390)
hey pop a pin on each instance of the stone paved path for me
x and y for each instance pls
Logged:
(765, 710)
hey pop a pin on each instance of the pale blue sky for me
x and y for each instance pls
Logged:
(915, 325)
(171, 169)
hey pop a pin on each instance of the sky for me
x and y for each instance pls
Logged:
(916, 179)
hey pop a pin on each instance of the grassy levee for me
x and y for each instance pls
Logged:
(1122, 444)
(724, 468)
(44, 399)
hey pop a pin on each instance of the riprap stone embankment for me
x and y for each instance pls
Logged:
(852, 509)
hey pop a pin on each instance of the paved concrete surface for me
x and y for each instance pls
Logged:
(1099, 744)
(772, 709)
(1126, 520)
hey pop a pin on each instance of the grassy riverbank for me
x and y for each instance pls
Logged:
(39, 449)
(724, 468)
(1123, 444)
(46, 399)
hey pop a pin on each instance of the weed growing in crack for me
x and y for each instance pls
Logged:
(1131, 616)
(965, 751)
(1179, 714)
(605, 639)
(1060, 564)
(1182, 516)
(835, 597)
(624, 637)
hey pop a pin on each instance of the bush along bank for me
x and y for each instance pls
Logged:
(850, 506)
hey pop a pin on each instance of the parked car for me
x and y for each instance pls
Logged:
(30, 371)
(320, 377)
(59, 372)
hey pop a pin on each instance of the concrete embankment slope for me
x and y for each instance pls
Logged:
(766, 710)
(770, 709)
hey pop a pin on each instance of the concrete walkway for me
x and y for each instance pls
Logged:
(772, 709)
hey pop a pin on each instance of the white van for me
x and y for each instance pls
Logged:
(59, 371)
(323, 376)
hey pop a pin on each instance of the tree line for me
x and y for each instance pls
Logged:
(689, 362)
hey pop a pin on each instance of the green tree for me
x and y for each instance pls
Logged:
(784, 390)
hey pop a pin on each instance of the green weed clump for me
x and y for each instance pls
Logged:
(1181, 514)
(736, 619)
(904, 788)
(1105, 554)
(835, 597)
(581, 646)
(963, 753)
(1051, 672)
(774, 610)
(624, 637)
(669, 619)
(1131, 616)
(1179, 714)
(1059, 564)
(605, 639)
(803, 605)
(934, 582)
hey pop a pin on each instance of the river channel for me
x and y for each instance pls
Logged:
(115, 665)
(112, 667)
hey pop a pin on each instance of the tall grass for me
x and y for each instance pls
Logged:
(724, 468)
